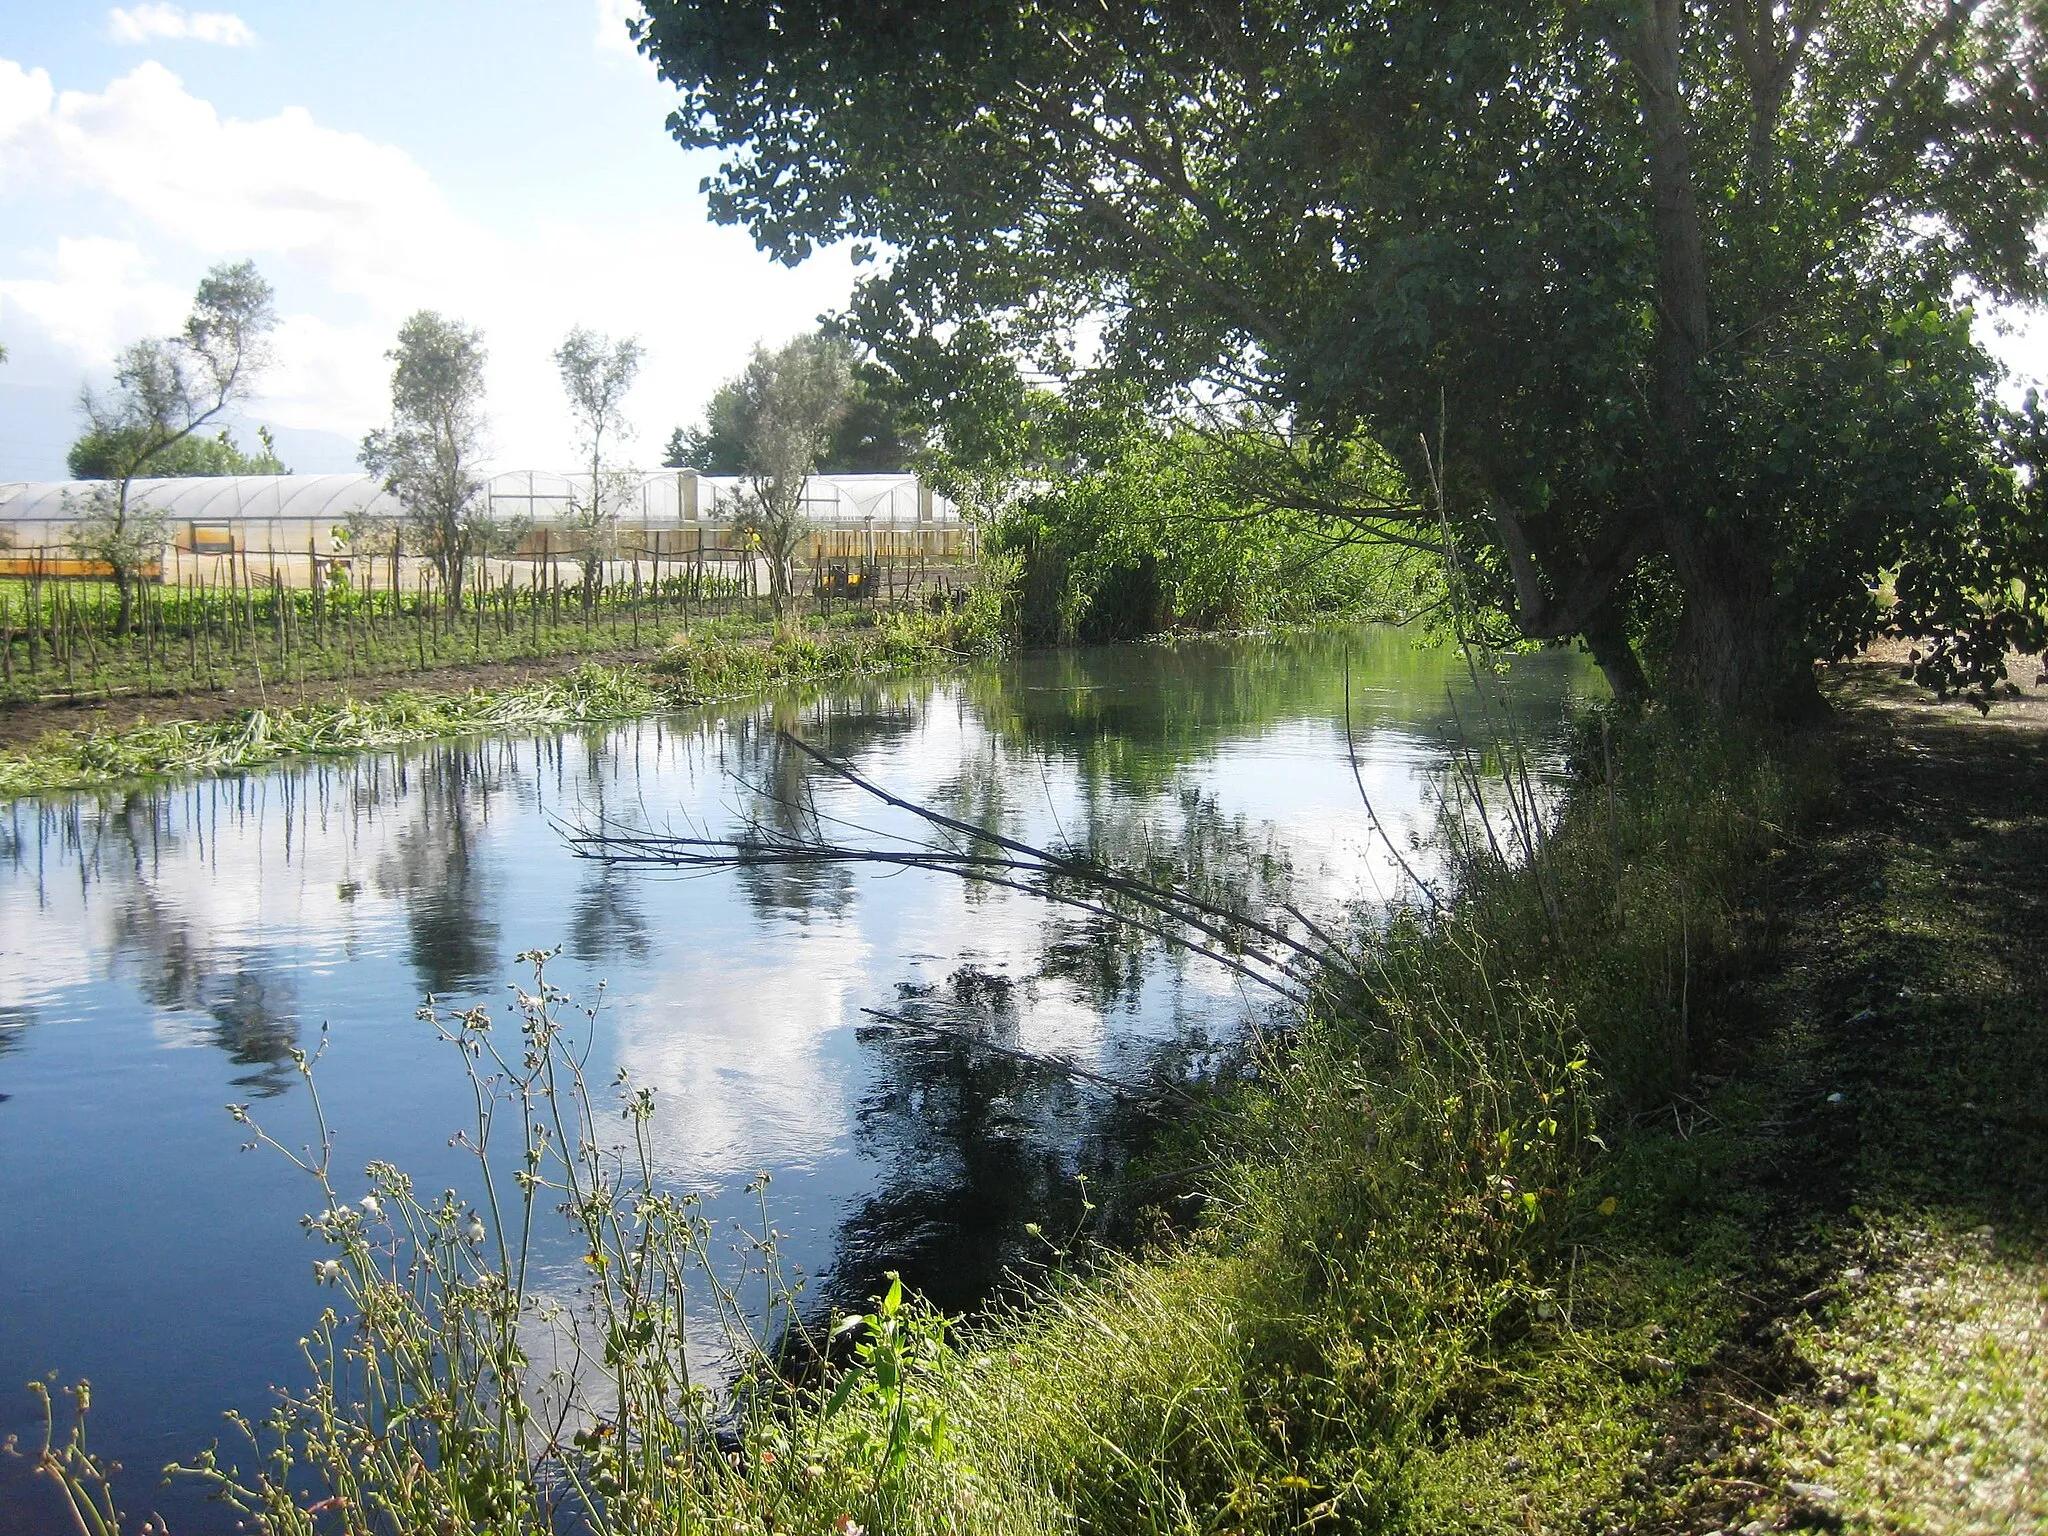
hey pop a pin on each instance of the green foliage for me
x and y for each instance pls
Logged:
(695, 668)
(100, 456)
(429, 455)
(165, 389)
(1162, 531)
(782, 411)
(1603, 259)
(597, 374)
(702, 666)
(875, 434)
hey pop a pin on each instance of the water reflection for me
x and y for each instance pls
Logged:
(164, 950)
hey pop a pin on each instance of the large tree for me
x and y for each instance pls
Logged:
(165, 391)
(1674, 293)
(430, 453)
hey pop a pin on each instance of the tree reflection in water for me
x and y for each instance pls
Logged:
(958, 1147)
(436, 870)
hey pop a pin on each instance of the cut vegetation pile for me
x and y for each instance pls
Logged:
(715, 662)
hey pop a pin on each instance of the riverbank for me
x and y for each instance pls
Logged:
(1724, 1215)
(46, 749)
(1686, 1179)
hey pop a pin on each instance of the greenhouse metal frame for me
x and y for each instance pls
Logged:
(295, 529)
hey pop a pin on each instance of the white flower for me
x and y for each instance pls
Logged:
(370, 1207)
(327, 1271)
(474, 1231)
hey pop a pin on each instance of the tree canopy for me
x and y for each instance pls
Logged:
(597, 375)
(165, 391)
(1662, 307)
(783, 410)
(100, 456)
(876, 433)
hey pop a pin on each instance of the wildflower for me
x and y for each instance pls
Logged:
(474, 1231)
(327, 1271)
(846, 1525)
(370, 1207)
(814, 1471)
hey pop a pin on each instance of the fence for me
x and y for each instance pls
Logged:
(243, 617)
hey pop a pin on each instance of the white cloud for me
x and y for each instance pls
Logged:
(170, 23)
(152, 183)
(93, 295)
(612, 16)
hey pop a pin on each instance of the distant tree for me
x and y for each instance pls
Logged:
(369, 534)
(717, 444)
(97, 457)
(874, 435)
(597, 375)
(785, 407)
(428, 455)
(165, 390)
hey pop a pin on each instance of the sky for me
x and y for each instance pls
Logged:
(502, 161)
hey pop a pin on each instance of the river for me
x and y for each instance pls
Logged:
(163, 949)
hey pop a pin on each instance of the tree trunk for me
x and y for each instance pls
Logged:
(124, 589)
(1736, 645)
(1607, 639)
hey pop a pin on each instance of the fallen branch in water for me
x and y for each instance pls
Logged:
(1256, 950)
(1061, 1064)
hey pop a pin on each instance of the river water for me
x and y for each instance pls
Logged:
(162, 949)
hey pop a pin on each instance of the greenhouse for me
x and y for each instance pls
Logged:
(290, 528)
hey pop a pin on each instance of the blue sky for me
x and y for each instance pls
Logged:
(505, 163)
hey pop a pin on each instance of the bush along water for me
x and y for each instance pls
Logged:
(1398, 1308)
(712, 663)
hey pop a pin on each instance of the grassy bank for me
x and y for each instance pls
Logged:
(1688, 1178)
(716, 660)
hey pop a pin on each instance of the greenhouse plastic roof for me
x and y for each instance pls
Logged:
(543, 496)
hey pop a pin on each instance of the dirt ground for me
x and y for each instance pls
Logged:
(24, 725)
(1892, 1370)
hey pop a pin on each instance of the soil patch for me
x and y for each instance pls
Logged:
(1892, 1170)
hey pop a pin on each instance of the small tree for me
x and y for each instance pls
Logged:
(165, 390)
(428, 455)
(369, 534)
(786, 407)
(597, 375)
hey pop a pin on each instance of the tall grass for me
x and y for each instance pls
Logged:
(1376, 1305)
